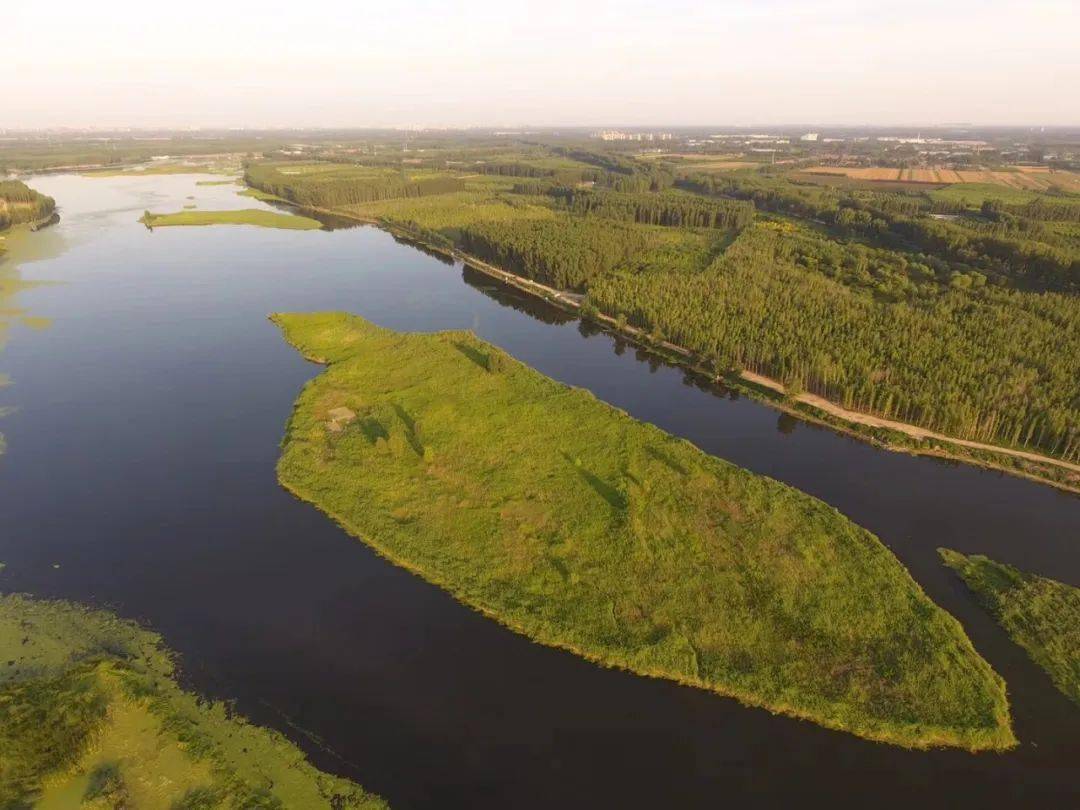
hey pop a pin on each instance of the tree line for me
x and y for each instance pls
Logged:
(20, 204)
(320, 190)
(992, 364)
(1007, 258)
(566, 252)
(672, 210)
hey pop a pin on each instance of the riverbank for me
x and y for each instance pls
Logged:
(884, 433)
(91, 713)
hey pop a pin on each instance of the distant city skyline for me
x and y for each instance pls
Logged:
(513, 64)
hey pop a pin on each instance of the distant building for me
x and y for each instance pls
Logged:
(809, 136)
(616, 135)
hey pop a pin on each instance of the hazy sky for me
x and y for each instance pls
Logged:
(506, 63)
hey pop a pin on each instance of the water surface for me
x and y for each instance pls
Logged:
(139, 475)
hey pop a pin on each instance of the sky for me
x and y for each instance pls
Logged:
(502, 63)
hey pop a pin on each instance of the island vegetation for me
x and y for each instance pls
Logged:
(246, 216)
(22, 205)
(1040, 614)
(582, 528)
(91, 716)
(957, 315)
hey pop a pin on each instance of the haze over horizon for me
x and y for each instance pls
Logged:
(258, 65)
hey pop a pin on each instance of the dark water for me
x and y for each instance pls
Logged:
(140, 461)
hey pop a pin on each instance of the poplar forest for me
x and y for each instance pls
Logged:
(21, 205)
(956, 313)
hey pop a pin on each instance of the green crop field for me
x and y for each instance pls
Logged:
(582, 528)
(1040, 614)
(973, 194)
(91, 716)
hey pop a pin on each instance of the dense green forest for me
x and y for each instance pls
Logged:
(1006, 243)
(329, 188)
(570, 252)
(20, 204)
(673, 210)
(956, 317)
(988, 364)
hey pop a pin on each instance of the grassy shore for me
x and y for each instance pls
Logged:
(246, 216)
(258, 194)
(1039, 614)
(582, 528)
(91, 716)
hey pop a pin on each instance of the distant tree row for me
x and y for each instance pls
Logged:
(1043, 209)
(512, 169)
(565, 252)
(673, 210)
(327, 191)
(621, 173)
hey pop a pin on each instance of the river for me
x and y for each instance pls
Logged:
(139, 476)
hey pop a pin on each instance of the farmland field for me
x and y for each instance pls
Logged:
(1021, 178)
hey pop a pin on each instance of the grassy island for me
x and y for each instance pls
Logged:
(22, 205)
(1039, 614)
(246, 216)
(582, 528)
(91, 716)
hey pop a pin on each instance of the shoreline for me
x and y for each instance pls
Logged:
(935, 739)
(889, 733)
(815, 410)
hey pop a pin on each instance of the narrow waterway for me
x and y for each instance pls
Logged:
(149, 394)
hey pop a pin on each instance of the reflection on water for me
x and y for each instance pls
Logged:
(435, 254)
(508, 296)
(22, 246)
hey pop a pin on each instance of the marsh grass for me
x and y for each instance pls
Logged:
(246, 216)
(91, 715)
(1040, 614)
(260, 195)
(582, 528)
